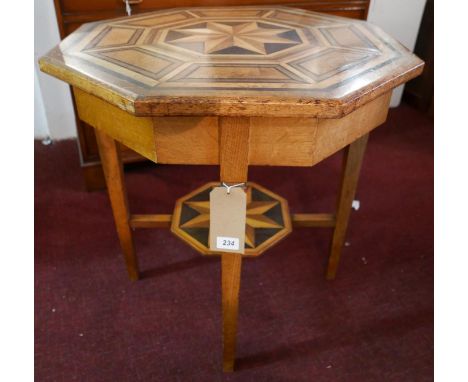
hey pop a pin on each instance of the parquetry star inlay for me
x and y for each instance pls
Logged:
(217, 37)
(255, 217)
(267, 219)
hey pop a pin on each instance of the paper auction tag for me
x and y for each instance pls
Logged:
(227, 219)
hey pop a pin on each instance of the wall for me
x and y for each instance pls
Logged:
(41, 128)
(53, 109)
(54, 114)
(401, 19)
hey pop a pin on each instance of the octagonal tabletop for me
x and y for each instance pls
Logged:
(233, 61)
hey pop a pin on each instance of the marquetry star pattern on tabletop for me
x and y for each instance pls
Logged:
(320, 64)
(267, 218)
(222, 37)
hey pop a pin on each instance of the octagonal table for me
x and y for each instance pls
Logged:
(231, 86)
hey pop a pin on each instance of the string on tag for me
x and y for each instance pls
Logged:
(228, 188)
(128, 8)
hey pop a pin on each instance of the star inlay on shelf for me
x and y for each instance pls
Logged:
(239, 38)
(255, 217)
(267, 219)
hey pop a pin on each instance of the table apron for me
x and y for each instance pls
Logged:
(195, 140)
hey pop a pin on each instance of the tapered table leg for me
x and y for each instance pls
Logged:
(234, 136)
(231, 273)
(351, 168)
(113, 172)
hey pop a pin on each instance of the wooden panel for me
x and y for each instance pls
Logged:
(89, 149)
(93, 176)
(289, 141)
(88, 143)
(333, 135)
(307, 141)
(360, 14)
(91, 5)
(71, 26)
(194, 140)
(181, 140)
(317, 5)
(73, 21)
(136, 133)
(118, 6)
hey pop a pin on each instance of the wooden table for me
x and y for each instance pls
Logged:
(232, 86)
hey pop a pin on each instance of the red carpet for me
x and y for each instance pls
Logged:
(374, 323)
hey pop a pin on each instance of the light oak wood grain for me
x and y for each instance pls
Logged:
(352, 163)
(230, 285)
(113, 172)
(186, 140)
(297, 220)
(335, 134)
(234, 136)
(136, 133)
(194, 140)
(150, 221)
(234, 146)
(313, 220)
